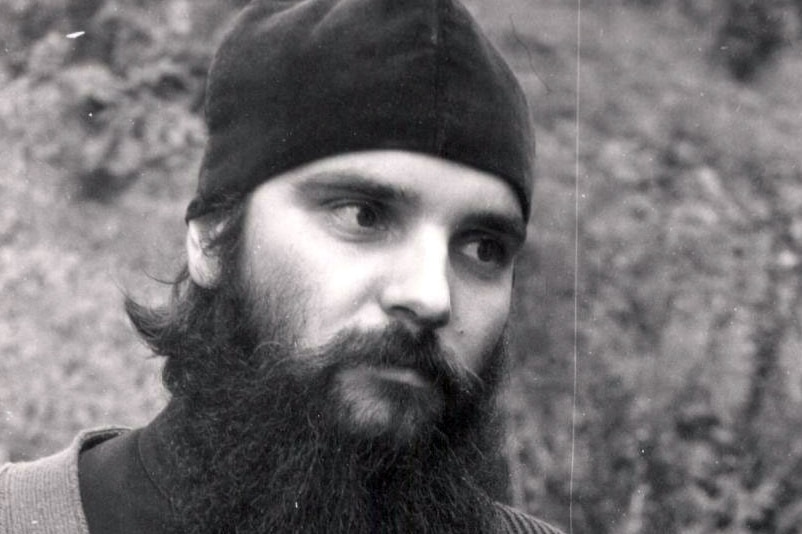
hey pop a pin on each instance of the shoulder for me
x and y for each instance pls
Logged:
(65, 461)
(45, 492)
(516, 522)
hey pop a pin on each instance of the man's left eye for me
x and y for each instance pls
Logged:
(487, 251)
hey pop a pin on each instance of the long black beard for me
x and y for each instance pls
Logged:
(261, 445)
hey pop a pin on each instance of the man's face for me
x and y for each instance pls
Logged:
(382, 240)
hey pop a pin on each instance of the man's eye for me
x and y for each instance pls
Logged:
(358, 216)
(487, 251)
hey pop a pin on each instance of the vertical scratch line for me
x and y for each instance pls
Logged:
(576, 271)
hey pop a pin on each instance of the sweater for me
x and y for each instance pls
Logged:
(43, 496)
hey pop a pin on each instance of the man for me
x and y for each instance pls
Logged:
(335, 344)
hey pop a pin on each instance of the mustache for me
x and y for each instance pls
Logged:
(395, 346)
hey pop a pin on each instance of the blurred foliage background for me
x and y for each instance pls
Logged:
(657, 380)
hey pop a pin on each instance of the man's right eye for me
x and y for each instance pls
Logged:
(357, 217)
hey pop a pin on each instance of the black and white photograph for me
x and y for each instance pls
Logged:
(401, 266)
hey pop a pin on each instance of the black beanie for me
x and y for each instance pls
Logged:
(296, 81)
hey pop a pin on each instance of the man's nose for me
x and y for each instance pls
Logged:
(418, 290)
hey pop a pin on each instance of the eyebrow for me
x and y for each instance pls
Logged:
(348, 183)
(508, 225)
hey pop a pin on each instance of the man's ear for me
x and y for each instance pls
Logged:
(204, 264)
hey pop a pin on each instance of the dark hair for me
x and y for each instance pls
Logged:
(197, 321)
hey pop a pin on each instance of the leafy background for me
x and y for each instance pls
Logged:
(657, 384)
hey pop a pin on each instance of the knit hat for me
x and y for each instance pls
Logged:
(296, 81)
